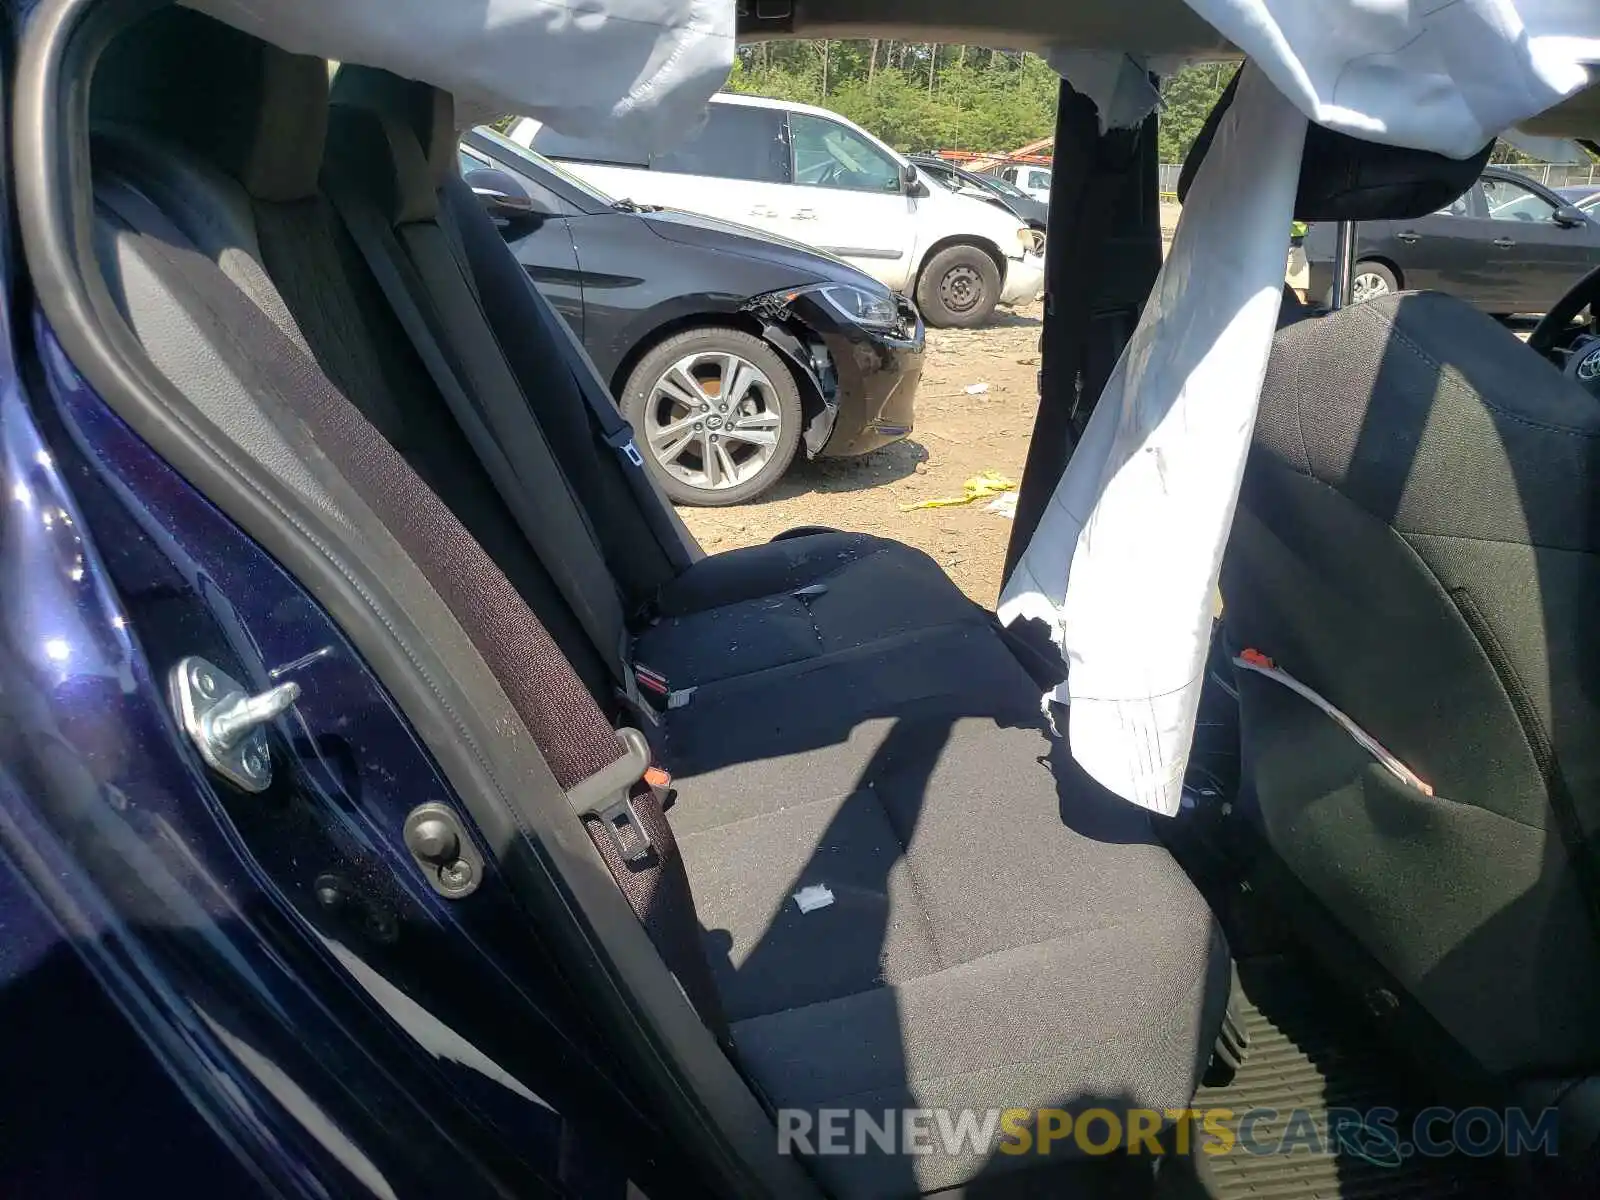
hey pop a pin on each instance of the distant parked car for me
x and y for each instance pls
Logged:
(813, 176)
(1584, 197)
(726, 348)
(990, 188)
(1031, 179)
(1509, 245)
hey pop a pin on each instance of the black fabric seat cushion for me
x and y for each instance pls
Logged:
(738, 612)
(1002, 932)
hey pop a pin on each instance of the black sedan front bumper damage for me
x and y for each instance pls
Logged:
(862, 383)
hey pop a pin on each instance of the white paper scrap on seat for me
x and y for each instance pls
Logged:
(1124, 560)
(813, 896)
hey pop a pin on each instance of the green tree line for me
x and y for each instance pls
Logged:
(913, 95)
(917, 96)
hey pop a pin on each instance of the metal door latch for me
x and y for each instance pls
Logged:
(226, 723)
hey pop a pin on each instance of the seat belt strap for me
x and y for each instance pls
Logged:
(621, 813)
(611, 426)
(469, 228)
(555, 527)
(624, 818)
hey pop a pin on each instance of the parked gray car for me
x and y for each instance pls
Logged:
(1508, 245)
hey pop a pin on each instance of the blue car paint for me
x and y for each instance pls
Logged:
(328, 1014)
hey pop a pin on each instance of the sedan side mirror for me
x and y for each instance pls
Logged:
(501, 195)
(911, 181)
(1569, 216)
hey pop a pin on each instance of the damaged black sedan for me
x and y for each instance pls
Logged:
(727, 349)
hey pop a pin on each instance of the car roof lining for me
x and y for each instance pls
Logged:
(1578, 116)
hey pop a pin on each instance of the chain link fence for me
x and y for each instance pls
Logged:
(1558, 175)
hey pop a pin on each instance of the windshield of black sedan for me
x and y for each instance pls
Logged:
(1006, 188)
(539, 161)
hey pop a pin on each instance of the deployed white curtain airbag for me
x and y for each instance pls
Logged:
(1443, 75)
(642, 70)
(1124, 562)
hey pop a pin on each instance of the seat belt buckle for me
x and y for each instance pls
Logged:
(626, 831)
(651, 681)
(608, 796)
(666, 696)
(622, 442)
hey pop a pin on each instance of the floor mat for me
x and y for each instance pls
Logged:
(1302, 1060)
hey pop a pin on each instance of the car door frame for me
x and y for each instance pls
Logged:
(288, 504)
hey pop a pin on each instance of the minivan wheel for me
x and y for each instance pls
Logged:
(1372, 279)
(959, 288)
(717, 415)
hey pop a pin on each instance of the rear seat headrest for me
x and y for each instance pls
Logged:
(426, 110)
(257, 112)
(1343, 178)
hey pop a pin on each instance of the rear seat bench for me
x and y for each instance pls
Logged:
(995, 938)
(790, 600)
(1000, 933)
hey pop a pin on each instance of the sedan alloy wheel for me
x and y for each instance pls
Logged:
(718, 418)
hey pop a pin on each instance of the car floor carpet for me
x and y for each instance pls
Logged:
(1303, 1054)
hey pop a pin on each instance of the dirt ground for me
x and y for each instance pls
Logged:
(957, 436)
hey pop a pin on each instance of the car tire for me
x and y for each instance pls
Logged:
(691, 369)
(1373, 279)
(958, 288)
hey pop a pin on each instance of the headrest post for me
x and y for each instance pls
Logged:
(1344, 263)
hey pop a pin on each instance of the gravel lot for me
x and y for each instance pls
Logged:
(957, 436)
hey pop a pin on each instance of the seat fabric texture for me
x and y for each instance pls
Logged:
(1002, 931)
(1417, 540)
(793, 599)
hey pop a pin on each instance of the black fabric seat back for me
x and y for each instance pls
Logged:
(1418, 539)
(523, 323)
(266, 315)
(230, 146)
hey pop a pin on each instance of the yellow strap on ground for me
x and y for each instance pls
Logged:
(987, 484)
